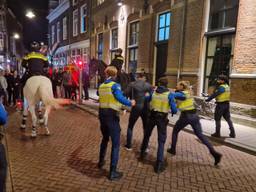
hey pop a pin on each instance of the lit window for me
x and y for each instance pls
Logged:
(64, 28)
(75, 23)
(84, 18)
(99, 2)
(53, 34)
(164, 22)
(58, 32)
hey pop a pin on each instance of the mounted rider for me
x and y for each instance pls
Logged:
(35, 63)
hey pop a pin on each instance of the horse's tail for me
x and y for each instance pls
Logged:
(57, 103)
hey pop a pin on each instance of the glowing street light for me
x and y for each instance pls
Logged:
(30, 14)
(120, 3)
(16, 36)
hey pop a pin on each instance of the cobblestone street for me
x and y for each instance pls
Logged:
(67, 160)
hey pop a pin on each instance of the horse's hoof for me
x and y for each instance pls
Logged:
(47, 133)
(33, 134)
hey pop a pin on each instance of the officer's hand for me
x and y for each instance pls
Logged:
(133, 102)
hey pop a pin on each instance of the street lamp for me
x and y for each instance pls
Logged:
(16, 36)
(30, 14)
(120, 3)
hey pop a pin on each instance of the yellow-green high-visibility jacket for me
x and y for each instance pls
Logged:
(224, 96)
(187, 104)
(106, 97)
(160, 102)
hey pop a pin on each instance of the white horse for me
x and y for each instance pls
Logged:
(39, 88)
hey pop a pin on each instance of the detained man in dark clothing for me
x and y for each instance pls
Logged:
(137, 90)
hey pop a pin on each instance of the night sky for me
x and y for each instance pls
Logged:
(37, 28)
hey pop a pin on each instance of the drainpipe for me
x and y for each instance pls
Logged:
(183, 24)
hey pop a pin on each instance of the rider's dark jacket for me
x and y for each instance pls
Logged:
(118, 62)
(35, 63)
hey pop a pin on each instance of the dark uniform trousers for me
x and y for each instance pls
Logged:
(190, 118)
(160, 120)
(222, 110)
(3, 168)
(136, 112)
(109, 125)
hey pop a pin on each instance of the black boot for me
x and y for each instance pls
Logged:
(171, 151)
(217, 158)
(114, 175)
(232, 134)
(159, 167)
(215, 134)
(101, 164)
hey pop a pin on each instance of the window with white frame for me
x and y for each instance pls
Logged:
(75, 22)
(53, 34)
(114, 42)
(99, 2)
(133, 46)
(100, 46)
(58, 32)
(84, 18)
(65, 30)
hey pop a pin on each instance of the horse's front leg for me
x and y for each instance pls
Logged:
(24, 115)
(46, 115)
(34, 121)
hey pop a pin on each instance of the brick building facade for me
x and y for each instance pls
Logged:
(69, 30)
(193, 40)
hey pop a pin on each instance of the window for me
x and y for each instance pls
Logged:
(134, 33)
(74, 2)
(99, 2)
(84, 18)
(164, 22)
(75, 23)
(223, 13)
(100, 46)
(58, 32)
(53, 34)
(114, 42)
(219, 57)
(1, 41)
(133, 46)
(64, 28)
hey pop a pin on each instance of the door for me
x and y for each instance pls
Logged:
(161, 59)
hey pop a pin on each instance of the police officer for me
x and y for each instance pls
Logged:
(111, 100)
(35, 62)
(222, 96)
(137, 90)
(161, 102)
(118, 60)
(185, 103)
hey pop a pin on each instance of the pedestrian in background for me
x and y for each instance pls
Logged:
(222, 96)
(161, 101)
(67, 84)
(86, 84)
(137, 90)
(110, 102)
(16, 88)
(185, 103)
(3, 87)
(10, 86)
(3, 160)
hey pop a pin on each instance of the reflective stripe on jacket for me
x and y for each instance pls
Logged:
(224, 96)
(106, 97)
(160, 102)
